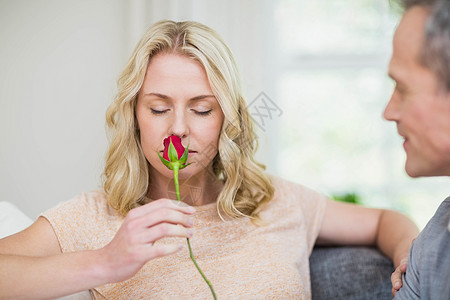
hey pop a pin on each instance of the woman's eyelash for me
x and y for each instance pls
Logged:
(157, 112)
(200, 113)
(203, 113)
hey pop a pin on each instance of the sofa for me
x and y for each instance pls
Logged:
(336, 272)
(350, 273)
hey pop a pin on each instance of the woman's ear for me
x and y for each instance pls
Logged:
(136, 123)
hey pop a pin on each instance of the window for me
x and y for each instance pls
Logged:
(332, 86)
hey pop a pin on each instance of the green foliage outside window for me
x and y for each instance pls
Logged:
(348, 198)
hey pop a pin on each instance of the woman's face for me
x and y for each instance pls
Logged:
(176, 98)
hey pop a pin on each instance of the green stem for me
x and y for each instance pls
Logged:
(199, 270)
(176, 168)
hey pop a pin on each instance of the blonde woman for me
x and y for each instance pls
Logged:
(251, 233)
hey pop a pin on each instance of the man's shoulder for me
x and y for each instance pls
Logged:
(437, 231)
(441, 219)
(429, 262)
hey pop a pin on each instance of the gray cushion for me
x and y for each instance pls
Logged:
(350, 273)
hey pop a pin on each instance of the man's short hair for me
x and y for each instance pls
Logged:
(436, 47)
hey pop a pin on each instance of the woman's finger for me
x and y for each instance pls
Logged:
(141, 224)
(164, 230)
(166, 215)
(158, 204)
(396, 280)
(160, 250)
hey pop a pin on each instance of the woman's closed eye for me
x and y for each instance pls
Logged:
(196, 111)
(202, 112)
(158, 111)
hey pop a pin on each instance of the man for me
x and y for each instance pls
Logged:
(420, 105)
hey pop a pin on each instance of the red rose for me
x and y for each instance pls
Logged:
(174, 154)
(176, 142)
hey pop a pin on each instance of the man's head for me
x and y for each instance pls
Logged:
(420, 104)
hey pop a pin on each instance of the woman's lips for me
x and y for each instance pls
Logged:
(190, 151)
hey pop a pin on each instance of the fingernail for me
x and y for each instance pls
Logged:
(191, 222)
(190, 233)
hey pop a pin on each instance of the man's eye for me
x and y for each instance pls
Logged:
(157, 112)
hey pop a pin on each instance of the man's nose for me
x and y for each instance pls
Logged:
(391, 112)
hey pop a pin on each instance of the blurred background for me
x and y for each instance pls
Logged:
(313, 73)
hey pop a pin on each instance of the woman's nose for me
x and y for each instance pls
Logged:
(179, 125)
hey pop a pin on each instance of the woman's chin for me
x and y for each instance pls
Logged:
(192, 171)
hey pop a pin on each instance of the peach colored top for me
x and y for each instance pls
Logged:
(241, 260)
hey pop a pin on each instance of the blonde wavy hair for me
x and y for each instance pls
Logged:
(126, 175)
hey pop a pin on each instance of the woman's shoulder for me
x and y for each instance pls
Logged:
(289, 194)
(279, 182)
(284, 187)
(79, 219)
(95, 200)
(92, 204)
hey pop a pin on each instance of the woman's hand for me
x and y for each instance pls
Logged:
(134, 243)
(396, 277)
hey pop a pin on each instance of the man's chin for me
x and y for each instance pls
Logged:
(412, 174)
(415, 171)
(412, 168)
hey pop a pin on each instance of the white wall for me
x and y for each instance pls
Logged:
(59, 62)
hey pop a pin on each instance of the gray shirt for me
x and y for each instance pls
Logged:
(428, 272)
